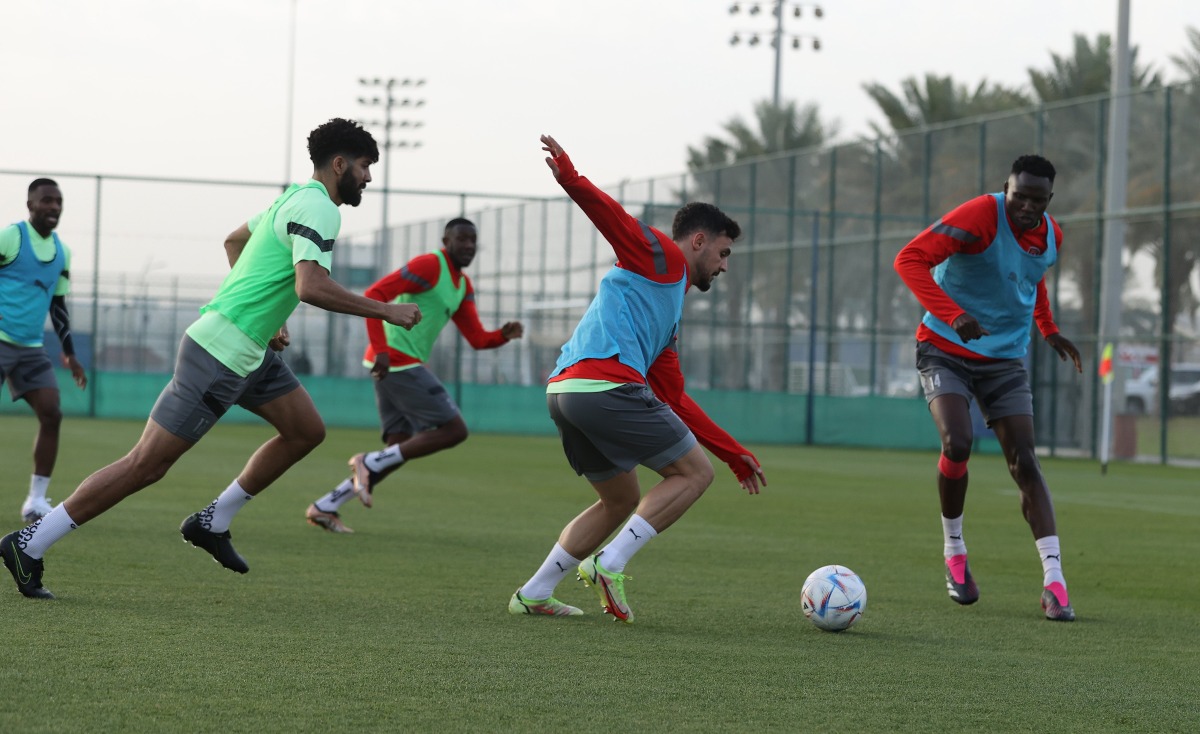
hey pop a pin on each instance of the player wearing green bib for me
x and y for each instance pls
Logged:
(229, 356)
(35, 276)
(416, 413)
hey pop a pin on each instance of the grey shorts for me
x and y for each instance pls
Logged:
(611, 432)
(203, 389)
(25, 369)
(1001, 388)
(411, 401)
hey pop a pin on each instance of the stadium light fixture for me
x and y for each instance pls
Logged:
(387, 102)
(778, 8)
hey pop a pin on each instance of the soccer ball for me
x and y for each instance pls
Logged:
(833, 598)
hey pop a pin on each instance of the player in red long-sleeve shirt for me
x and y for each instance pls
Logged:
(417, 414)
(988, 258)
(617, 395)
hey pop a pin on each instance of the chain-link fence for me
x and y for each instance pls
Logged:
(810, 308)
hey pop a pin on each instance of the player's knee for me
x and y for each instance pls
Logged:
(956, 448)
(50, 418)
(146, 469)
(624, 504)
(313, 435)
(457, 433)
(1024, 466)
(952, 469)
(700, 475)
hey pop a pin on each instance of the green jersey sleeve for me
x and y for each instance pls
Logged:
(253, 222)
(310, 221)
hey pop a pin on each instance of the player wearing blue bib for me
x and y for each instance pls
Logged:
(35, 271)
(980, 273)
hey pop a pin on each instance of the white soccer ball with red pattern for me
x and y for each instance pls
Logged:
(833, 598)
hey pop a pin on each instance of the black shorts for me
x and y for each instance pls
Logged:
(203, 389)
(1001, 387)
(411, 401)
(25, 369)
(610, 432)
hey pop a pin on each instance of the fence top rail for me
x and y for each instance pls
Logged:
(265, 184)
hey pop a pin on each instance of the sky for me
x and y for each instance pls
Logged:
(200, 90)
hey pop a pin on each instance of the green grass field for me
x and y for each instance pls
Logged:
(403, 626)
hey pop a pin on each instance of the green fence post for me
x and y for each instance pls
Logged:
(749, 300)
(1164, 348)
(787, 283)
(876, 248)
(829, 276)
(809, 402)
(94, 381)
(712, 309)
(1098, 256)
(981, 184)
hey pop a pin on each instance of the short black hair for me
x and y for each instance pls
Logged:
(697, 216)
(341, 137)
(456, 222)
(1035, 165)
(39, 182)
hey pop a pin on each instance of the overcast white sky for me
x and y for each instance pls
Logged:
(199, 89)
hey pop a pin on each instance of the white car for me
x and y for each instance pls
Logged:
(1141, 392)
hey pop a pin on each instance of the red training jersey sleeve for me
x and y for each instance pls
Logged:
(421, 274)
(630, 240)
(466, 318)
(666, 380)
(628, 236)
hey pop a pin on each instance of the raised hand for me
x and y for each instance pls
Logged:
(551, 146)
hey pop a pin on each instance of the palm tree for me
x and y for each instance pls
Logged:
(1189, 61)
(938, 99)
(1076, 138)
(736, 171)
(1184, 258)
(1087, 71)
(929, 171)
(774, 130)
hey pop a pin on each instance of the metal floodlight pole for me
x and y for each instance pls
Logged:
(779, 9)
(291, 98)
(1111, 273)
(389, 102)
(778, 52)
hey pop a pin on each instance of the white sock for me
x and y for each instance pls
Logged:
(217, 516)
(38, 486)
(377, 461)
(556, 566)
(36, 539)
(1051, 560)
(336, 498)
(953, 536)
(636, 533)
